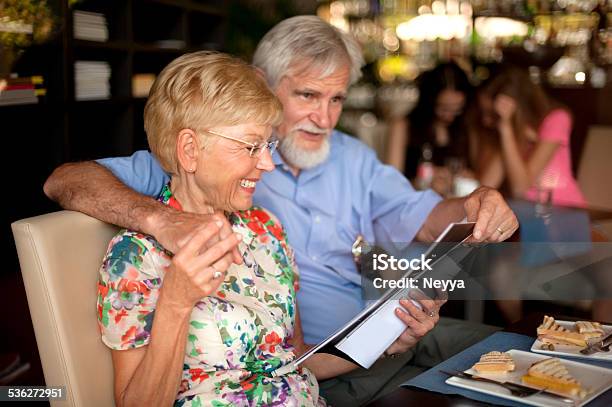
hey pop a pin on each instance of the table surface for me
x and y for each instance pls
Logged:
(599, 214)
(526, 326)
(595, 214)
(413, 396)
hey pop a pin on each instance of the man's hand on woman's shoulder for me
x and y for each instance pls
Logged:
(173, 228)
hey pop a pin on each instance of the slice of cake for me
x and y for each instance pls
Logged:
(551, 374)
(589, 329)
(550, 330)
(494, 362)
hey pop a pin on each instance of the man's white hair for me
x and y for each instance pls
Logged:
(309, 40)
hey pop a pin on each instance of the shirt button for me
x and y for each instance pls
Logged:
(317, 219)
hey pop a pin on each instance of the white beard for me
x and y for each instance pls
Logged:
(302, 158)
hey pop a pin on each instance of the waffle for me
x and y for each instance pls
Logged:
(555, 340)
(553, 375)
(552, 332)
(590, 329)
(494, 362)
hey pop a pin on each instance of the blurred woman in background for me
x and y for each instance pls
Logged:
(435, 127)
(523, 140)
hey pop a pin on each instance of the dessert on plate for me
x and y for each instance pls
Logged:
(551, 374)
(495, 362)
(590, 329)
(550, 333)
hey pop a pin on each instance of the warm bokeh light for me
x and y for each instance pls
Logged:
(500, 27)
(438, 7)
(390, 40)
(432, 26)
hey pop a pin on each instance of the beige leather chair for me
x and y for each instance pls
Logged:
(595, 173)
(595, 169)
(60, 254)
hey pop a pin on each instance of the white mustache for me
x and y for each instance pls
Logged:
(311, 129)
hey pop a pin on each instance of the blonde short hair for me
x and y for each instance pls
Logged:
(201, 90)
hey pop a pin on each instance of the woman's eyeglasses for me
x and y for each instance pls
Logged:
(255, 150)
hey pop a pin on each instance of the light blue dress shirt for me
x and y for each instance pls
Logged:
(323, 210)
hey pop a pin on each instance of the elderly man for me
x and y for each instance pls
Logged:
(328, 188)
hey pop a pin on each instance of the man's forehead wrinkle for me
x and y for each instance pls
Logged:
(312, 83)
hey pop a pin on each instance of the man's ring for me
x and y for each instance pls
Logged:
(431, 314)
(500, 230)
(216, 274)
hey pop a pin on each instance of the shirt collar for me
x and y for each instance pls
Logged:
(166, 197)
(277, 159)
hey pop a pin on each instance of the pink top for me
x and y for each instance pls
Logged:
(557, 175)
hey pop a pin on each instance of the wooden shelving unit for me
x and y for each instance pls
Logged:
(136, 28)
(39, 137)
(96, 128)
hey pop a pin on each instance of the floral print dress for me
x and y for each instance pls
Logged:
(237, 336)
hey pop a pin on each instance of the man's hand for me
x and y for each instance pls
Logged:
(173, 229)
(90, 188)
(418, 322)
(494, 219)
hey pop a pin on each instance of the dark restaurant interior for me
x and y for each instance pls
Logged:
(443, 81)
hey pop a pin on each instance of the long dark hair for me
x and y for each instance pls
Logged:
(431, 84)
(533, 105)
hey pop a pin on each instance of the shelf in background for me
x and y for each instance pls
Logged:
(61, 105)
(143, 37)
(114, 101)
(140, 47)
(103, 45)
(129, 46)
(206, 8)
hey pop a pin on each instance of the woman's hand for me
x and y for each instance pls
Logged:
(196, 270)
(505, 106)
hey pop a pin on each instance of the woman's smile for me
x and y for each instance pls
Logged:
(248, 184)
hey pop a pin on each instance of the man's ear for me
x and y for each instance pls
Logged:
(187, 150)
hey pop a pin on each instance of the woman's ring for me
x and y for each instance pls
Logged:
(431, 314)
(216, 274)
(500, 230)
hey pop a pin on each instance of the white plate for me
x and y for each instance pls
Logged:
(573, 351)
(596, 379)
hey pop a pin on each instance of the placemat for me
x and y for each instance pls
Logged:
(433, 380)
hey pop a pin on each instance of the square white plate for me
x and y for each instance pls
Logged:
(573, 351)
(596, 379)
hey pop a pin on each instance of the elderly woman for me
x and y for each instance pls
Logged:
(194, 328)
